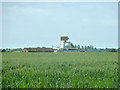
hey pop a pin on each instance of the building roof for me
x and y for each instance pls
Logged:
(39, 49)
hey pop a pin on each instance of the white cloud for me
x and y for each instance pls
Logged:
(101, 7)
(84, 20)
(32, 10)
(100, 21)
(107, 22)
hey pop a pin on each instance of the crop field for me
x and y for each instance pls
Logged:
(60, 70)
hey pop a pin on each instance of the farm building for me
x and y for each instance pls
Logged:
(66, 46)
(38, 50)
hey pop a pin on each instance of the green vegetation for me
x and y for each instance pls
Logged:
(60, 70)
(112, 50)
(84, 48)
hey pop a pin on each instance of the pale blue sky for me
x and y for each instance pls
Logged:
(42, 24)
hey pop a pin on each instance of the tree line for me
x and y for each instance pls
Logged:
(85, 48)
(91, 48)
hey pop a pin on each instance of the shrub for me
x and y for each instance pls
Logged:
(112, 50)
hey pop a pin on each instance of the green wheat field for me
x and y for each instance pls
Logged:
(60, 70)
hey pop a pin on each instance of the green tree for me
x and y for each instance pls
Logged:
(112, 50)
(3, 50)
(72, 45)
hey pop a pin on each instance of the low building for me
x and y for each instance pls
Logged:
(38, 50)
(65, 46)
(24, 50)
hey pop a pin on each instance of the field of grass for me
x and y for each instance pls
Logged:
(60, 70)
